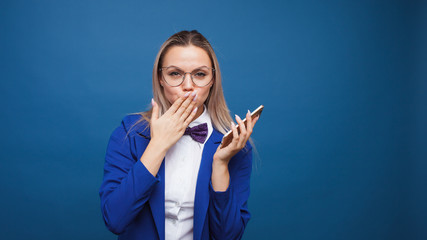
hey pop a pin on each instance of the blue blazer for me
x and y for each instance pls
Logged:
(133, 200)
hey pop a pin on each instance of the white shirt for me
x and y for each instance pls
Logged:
(182, 162)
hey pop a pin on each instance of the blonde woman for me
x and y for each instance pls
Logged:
(166, 175)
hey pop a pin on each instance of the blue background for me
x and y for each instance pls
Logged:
(342, 141)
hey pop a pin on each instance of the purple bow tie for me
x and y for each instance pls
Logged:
(198, 133)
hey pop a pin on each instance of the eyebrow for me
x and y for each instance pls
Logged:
(181, 69)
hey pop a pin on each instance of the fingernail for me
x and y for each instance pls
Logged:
(186, 95)
(195, 110)
(238, 118)
(232, 124)
(195, 97)
(249, 112)
(194, 93)
(152, 102)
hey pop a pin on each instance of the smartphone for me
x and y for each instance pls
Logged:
(228, 137)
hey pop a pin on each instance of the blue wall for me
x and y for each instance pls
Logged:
(342, 140)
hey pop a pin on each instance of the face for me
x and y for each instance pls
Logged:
(187, 59)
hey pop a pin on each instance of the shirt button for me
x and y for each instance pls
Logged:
(177, 204)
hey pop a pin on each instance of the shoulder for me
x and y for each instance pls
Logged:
(245, 152)
(132, 124)
(134, 120)
(246, 149)
(242, 160)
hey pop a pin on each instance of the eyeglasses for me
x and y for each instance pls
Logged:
(174, 76)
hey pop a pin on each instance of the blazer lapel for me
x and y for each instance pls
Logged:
(201, 201)
(157, 198)
(157, 202)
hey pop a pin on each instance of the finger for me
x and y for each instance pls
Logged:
(190, 117)
(242, 126)
(243, 133)
(249, 122)
(178, 103)
(155, 111)
(188, 111)
(186, 103)
(235, 134)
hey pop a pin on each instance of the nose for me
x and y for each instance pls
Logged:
(187, 85)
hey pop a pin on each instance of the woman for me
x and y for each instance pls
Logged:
(166, 175)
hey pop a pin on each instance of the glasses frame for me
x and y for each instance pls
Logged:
(191, 76)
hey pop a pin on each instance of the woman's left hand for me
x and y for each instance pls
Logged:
(223, 155)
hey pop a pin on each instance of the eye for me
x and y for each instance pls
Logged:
(174, 74)
(200, 74)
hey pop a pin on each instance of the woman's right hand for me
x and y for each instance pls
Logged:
(169, 128)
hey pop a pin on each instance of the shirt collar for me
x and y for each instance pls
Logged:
(203, 118)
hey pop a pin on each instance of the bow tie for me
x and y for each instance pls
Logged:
(198, 133)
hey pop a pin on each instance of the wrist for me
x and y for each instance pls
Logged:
(153, 156)
(219, 164)
(158, 146)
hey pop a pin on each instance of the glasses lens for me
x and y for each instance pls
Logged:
(202, 76)
(173, 76)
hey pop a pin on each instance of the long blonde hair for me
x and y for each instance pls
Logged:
(215, 102)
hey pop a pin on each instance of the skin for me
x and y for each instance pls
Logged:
(187, 104)
(187, 59)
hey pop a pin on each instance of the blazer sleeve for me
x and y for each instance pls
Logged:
(126, 185)
(228, 211)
